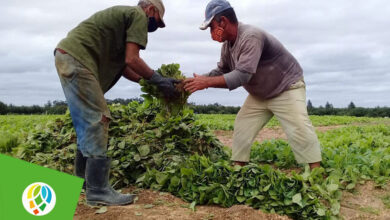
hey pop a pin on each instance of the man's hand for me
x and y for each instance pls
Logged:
(165, 85)
(199, 82)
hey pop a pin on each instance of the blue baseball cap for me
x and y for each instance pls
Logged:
(213, 8)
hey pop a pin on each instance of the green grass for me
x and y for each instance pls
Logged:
(15, 128)
(386, 200)
(369, 210)
(226, 122)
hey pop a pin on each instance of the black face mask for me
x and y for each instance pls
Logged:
(152, 25)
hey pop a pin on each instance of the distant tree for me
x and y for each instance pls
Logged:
(59, 103)
(3, 108)
(48, 104)
(328, 105)
(60, 107)
(309, 105)
(351, 105)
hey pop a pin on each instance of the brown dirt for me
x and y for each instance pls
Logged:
(155, 205)
(365, 203)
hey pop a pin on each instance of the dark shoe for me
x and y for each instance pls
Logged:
(80, 163)
(99, 191)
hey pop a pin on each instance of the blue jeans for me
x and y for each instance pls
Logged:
(87, 106)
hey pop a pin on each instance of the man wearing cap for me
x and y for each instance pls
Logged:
(256, 60)
(89, 61)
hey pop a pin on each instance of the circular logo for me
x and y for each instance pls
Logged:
(39, 199)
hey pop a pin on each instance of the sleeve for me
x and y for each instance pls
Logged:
(250, 53)
(214, 72)
(236, 79)
(137, 32)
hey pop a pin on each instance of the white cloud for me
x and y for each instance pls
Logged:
(343, 46)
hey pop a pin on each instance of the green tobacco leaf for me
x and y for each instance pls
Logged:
(148, 206)
(144, 150)
(137, 157)
(122, 145)
(240, 199)
(161, 178)
(350, 186)
(140, 179)
(297, 199)
(102, 210)
(332, 187)
(192, 206)
(175, 181)
(321, 212)
(115, 163)
(265, 189)
(335, 208)
(186, 171)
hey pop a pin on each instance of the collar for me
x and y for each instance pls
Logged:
(239, 31)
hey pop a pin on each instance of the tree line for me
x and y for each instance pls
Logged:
(60, 107)
(51, 108)
(350, 110)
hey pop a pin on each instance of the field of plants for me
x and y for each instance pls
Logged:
(352, 155)
(226, 121)
(191, 163)
(14, 129)
(163, 146)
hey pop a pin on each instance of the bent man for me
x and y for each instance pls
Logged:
(256, 60)
(89, 61)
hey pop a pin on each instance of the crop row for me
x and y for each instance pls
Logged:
(226, 121)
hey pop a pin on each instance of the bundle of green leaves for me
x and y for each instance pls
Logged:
(202, 181)
(169, 107)
(137, 141)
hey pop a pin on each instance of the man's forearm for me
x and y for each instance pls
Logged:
(131, 75)
(134, 61)
(216, 82)
(140, 67)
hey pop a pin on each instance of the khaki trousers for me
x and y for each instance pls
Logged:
(290, 110)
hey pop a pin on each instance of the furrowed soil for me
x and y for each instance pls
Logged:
(365, 202)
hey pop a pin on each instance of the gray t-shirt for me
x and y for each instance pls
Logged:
(259, 62)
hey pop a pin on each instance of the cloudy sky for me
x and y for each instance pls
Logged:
(342, 45)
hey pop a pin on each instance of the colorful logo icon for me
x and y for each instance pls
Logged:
(39, 199)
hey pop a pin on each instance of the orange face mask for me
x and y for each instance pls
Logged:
(217, 34)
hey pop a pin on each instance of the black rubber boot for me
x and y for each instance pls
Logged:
(99, 191)
(80, 162)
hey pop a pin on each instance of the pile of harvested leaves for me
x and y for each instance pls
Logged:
(155, 147)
